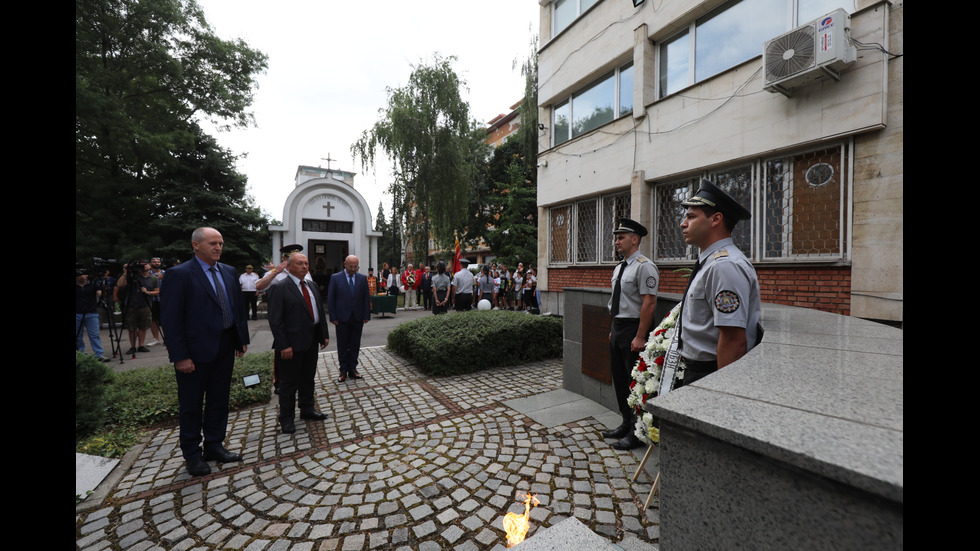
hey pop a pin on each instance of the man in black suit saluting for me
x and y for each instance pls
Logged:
(204, 319)
(298, 326)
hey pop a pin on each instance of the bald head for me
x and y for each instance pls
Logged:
(207, 244)
(351, 264)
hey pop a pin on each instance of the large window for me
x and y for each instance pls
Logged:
(798, 204)
(566, 11)
(730, 35)
(598, 103)
(585, 227)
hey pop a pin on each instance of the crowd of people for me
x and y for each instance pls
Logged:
(135, 294)
(438, 289)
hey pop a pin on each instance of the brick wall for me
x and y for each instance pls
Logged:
(821, 288)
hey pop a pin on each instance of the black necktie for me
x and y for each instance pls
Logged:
(617, 290)
(694, 272)
(222, 299)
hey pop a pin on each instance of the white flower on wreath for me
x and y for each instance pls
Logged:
(647, 373)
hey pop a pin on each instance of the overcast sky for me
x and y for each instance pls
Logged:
(330, 62)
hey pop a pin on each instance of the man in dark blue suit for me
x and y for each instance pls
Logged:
(299, 327)
(204, 320)
(349, 304)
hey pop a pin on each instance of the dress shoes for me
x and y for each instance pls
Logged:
(342, 378)
(629, 442)
(198, 467)
(287, 426)
(618, 432)
(355, 376)
(312, 415)
(221, 455)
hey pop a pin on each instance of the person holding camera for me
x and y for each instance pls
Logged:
(156, 270)
(87, 315)
(137, 287)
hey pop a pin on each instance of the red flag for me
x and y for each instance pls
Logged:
(456, 264)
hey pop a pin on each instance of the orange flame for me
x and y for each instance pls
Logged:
(517, 525)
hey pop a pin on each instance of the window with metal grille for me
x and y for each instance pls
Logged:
(737, 182)
(798, 203)
(614, 207)
(561, 237)
(586, 229)
(591, 237)
(670, 243)
(803, 198)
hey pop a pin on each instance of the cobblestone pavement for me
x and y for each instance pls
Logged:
(405, 461)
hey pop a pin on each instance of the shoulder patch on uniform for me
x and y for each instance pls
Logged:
(720, 254)
(727, 302)
(651, 282)
(641, 259)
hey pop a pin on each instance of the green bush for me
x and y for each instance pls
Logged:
(464, 342)
(143, 397)
(91, 379)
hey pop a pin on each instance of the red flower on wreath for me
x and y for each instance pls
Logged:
(659, 332)
(659, 360)
(632, 384)
(643, 366)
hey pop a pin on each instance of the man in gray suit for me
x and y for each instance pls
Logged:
(298, 325)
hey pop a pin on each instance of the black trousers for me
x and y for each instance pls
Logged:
(202, 396)
(622, 360)
(349, 345)
(251, 299)
(297, 376)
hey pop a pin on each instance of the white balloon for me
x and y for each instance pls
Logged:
(483, 305)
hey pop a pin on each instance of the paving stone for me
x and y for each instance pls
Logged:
(405, 461)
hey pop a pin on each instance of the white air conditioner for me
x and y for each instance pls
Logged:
(809, 52)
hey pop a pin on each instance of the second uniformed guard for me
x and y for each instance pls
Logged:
(632, 306)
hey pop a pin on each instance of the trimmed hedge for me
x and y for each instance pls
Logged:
(464, 342)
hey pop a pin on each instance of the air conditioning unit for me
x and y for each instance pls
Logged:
(809, 52)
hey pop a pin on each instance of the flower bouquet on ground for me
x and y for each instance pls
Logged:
(647, 374)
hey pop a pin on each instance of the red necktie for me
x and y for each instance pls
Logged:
(306, 295)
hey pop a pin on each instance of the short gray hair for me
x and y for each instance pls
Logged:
(198, 234)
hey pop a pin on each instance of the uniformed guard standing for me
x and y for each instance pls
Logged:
(632, 306)
(719, 320)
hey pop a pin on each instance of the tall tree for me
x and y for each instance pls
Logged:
(390, 243)
(145, 72)
(513, 173)
(424, 130)
(186, 200)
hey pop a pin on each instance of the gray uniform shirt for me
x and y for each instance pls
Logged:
(640, 277)
(441, 282)
(463, 281)
(724, 293)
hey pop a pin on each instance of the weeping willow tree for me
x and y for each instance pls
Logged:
(425, 130)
